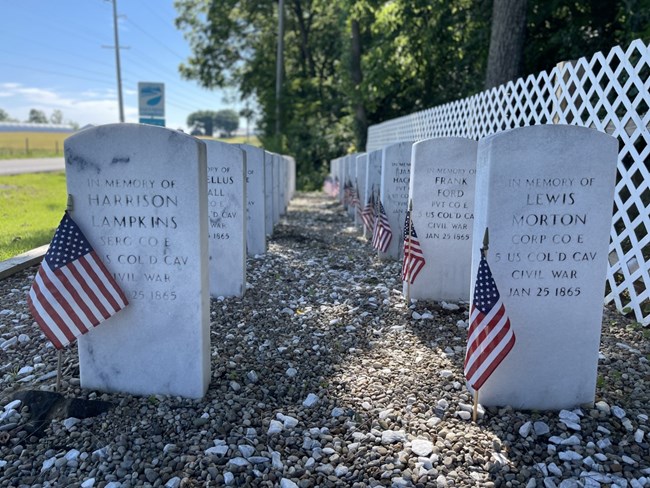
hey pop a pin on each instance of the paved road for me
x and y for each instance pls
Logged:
(16, 166)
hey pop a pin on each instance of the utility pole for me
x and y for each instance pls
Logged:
(278, 67)
(120, 101)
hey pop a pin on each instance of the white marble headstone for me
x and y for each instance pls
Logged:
(277, 206)
(546, 193)
(227, 219)
(373, 179)
(255, 178)
(362, 169)
(268, 192)
(395, 170)
(140, 197)
(443, 176)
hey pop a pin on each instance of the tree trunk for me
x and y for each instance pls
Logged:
(360, 118)
(506, 42)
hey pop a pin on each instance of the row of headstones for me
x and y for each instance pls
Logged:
(173, 218)
(545, 194)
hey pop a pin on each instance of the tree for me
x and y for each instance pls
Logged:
(203, 120)
(227, 120)
(247, 113)
(506, 42)
(37, 116)
(4, 116)
(56, 117)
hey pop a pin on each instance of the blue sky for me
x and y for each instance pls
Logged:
(51, 57)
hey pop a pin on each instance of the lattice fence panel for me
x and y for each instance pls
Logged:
(607, 92)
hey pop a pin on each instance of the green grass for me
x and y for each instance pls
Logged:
(19, 145)
(31, 207)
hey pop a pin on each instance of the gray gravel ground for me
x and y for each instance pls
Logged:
(321, 376)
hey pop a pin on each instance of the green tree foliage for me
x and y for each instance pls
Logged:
(202, 120)
(4, 116)
(349, 64)
(56, 117)
(37, 116)
(226, 120)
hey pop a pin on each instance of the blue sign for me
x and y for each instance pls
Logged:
(151, 99)
(152, 121)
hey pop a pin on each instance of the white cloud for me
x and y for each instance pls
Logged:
(88, 107)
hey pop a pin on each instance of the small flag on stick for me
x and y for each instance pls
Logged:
(73, 291)
(413, 256)
(382, 234)
(368, 213)
(490, 336)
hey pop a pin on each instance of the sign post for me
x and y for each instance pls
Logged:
(151, 103)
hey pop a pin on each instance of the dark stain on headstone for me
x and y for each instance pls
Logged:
(78, 162)
(121, 160)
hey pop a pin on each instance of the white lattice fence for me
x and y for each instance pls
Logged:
(608, 92)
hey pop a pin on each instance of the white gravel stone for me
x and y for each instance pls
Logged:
(287, 483)
(392, 436)
(337, 412)
(569, 456)
(246, 450)
(452, 307)
(174, 482)
(216, 450)
(618, 412)
(340, 471)
(638, 436)
(89, 483)
(275, 427)
(524, 430)
(70, 422)
(603, 406)
(311, 400)
(228, 478)
(291, 372)
(541, 428)
(48, 464)
(421, 447)
(238, 461)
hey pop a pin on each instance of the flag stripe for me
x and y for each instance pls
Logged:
(489, 341)
(494, 359)
(48, 311)
(482, 326)
(44, 320)
(95, 313)
(82, 301)
(81, 283)
(106, 283)
(78, 318)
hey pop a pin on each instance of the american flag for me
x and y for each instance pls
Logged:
(490, 337)
(382, 234)
(368, 213)
(72, 291)
(413, 257)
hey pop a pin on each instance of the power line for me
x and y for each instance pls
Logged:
(50, 72)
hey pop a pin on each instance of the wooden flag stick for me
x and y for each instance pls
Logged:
(484, 250)
(475, 409)
(59, 354)
(408, 277)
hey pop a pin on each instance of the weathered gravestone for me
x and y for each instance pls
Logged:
(277, 207)
(373, 180)
(268, 192)
(352, 179)
(443, 176)
(360, 179)
(291, 162)
(395, 170)
(545, 193)
(227, 219)
(140, 196)
(255, 179)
